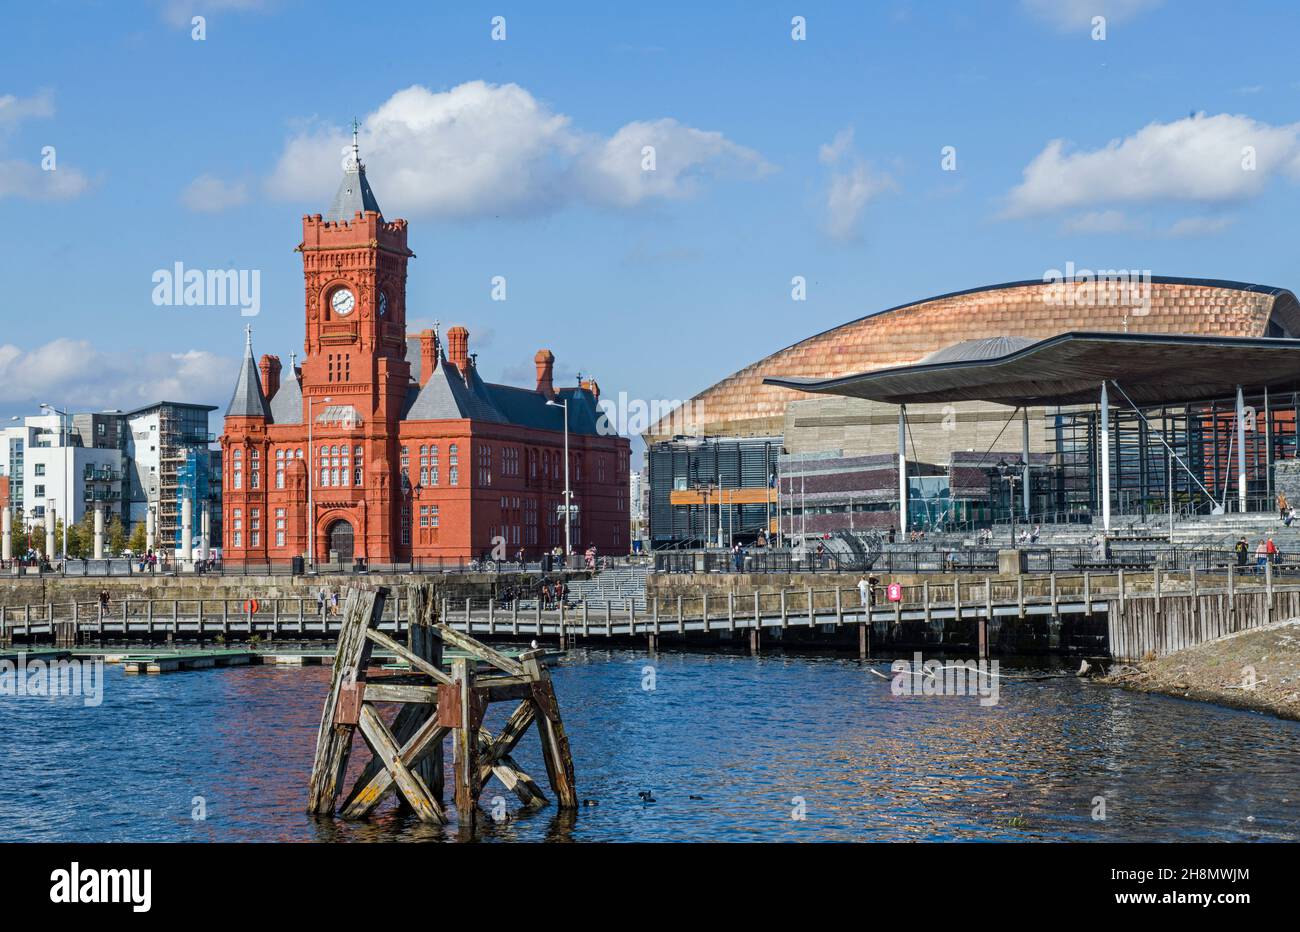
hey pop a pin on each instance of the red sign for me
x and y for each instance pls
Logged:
(895, 592)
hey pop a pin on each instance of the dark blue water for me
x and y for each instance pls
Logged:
(752, 737)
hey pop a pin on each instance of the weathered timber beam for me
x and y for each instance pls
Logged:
(362, 608)
(386, 692)
(411, 786)
(507, 693)
(375, 785)
(480, 650)
(400, 650)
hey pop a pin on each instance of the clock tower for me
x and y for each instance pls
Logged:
(355, 375)
(354, 271)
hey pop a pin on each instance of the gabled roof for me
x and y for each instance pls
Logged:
(248, 400)
(446, 397)
(286, 403)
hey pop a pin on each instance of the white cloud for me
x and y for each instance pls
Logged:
(182, 12)
(14, 109)
(30, 180)
(683, 158)
(1200, 226)
(482, 149)
(1100, 221)
(22, 179)
(1198, 159)
(78, 373)
(209, 194)
(1068, 15)
(852, 185)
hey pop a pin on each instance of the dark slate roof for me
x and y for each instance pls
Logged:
(446, 396)
(248, 400)
(353, 195)
(413, 356)
(286, 403)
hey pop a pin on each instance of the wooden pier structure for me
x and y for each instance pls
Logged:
(435, 703)
(1136, 613)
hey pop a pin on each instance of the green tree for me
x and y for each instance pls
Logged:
(81, 537)
(115, 533)
(138, 538)
(36, 537)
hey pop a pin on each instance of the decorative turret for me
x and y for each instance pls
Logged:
(248, 400)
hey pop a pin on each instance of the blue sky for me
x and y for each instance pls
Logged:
(520, 158)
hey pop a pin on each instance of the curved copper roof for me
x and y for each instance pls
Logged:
(742, 405)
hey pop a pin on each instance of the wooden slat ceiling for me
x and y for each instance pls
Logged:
(1068, 369)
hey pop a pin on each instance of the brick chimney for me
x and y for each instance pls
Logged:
(591, 386)
(270, 370)
(458, 349)
(545, 360)
(428, 354)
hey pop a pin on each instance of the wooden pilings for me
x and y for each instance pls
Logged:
(434, 703)
(1139, 626)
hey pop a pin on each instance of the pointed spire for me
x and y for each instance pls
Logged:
(354, 194)
(248, 400)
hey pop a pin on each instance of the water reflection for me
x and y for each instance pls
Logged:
(730, 747)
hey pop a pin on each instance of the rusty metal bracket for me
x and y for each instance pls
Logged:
(348, 709)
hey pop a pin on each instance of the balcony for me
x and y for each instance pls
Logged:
(101, 495)
(101, 474)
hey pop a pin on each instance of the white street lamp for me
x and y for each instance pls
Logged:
(568, 495)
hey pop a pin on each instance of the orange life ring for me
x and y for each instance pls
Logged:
(250, 606)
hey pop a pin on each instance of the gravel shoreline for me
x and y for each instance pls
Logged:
(1256, 670)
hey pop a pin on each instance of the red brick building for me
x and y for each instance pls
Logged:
(411, 454)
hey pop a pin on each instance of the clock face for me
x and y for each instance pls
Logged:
(343, 301)
(383, 304)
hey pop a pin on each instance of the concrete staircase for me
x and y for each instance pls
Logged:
(613, 586)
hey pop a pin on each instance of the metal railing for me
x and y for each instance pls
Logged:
(123, 566)
(304, 618)
(903, 558)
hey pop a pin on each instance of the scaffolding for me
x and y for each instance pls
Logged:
(183, 466)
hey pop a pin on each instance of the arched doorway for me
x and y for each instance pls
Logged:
(339, 540)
